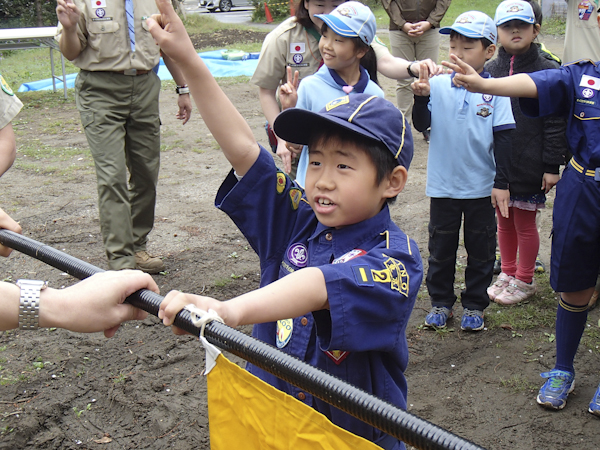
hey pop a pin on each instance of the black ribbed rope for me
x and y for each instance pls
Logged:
(376, 412)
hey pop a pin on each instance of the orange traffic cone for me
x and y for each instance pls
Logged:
(292, 9)
(268, 14)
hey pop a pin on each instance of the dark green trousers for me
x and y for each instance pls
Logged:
(120, 116)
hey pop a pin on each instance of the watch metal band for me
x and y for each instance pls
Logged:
(29, 303)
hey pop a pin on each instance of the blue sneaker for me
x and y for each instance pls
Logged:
(438, 316)
(472, 320)
(595, 403)
(553, 394)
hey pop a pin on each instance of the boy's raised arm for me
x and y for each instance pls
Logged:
(520, 85)
(225, 123)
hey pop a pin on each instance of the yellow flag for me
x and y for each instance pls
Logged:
(245, 412)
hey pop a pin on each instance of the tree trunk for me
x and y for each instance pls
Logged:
(38, 13)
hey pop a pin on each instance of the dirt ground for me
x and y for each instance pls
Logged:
(144, 388)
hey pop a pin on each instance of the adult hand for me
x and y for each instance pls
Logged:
(433, 68)
(184, 102)
(169, 33)
(408, 28)
(421, 86)
(419, 28)
(500, 198)
(68, 14)
(96, 303)
(288, 92)
(7, 223)
(549, 180)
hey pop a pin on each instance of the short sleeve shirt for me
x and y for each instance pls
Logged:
(104, 36)
(372, 271)
(10, 105)
(461, 160)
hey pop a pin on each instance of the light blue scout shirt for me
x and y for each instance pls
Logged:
(461, 163)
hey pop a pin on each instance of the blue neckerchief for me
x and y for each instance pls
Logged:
(483, 74)
(359, 87)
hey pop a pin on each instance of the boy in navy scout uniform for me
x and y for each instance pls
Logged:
(573, 91)
(332, 250)
(117, 97)
(10, 106)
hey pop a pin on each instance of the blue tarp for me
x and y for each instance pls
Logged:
(218, 66)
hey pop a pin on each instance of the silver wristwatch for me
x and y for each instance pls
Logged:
(29, 305)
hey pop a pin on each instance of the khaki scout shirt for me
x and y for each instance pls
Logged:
(104, 36)
(582, 40)
(291, 45)
(10, 105)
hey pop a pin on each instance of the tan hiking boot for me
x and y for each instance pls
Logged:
(147, 263)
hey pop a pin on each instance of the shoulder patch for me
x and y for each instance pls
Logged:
(5, 87)
(295, 196)
(280, 182)
(379, 41)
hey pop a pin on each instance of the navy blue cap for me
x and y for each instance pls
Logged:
(369, 116)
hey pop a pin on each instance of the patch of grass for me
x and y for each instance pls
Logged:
(539, 311)
(591, 338)
(554, 26)
(457, 7)
(518, 383)
(23, 66)
(221, 283)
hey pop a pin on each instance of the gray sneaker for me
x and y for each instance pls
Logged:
(147, 263)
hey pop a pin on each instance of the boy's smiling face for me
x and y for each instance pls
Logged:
(471, 51)
(341, 183)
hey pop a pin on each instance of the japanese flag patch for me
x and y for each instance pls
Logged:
(590, 82)
(297, 47)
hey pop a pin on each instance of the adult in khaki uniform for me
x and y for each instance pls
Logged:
(295, 43)
(413, 36)
(582, 40)
(117, 98)
(10, 106)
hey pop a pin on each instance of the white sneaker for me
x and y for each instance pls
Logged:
(516, 292)
(501, 283)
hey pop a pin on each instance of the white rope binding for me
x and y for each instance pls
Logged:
(201, 318)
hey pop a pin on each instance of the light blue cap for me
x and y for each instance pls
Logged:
(474, 25)
(352, 19)
(514, 10)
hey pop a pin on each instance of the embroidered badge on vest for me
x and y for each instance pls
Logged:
(98, 3)
(280, 182)
(298, 254)
(337, 356)
(484, 112)
(285, 327)
(295, 196)
(5, 87)
(348, 256)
